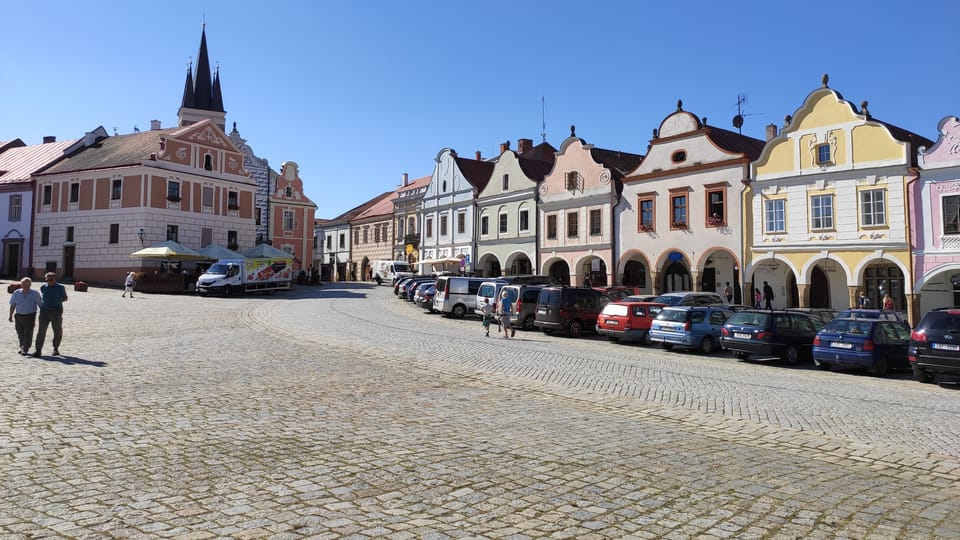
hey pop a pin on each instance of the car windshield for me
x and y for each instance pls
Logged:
(615, 309)
(218, 269)
(669, 300)
(750, 318)
(944, 322)
(848, 326)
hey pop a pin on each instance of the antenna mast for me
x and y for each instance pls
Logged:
(543, 120)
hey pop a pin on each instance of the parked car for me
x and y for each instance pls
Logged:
(866, 313)
(456, 295)
(824, 315)
(406, 290)
(691, 327)
(489, 290)
(935, 345)
(640, 298)
(689, 299)
(627, 321)
(618, 292)
(875, 344)
(420, 290)
(573, 310)
(786, 334)
(523, 312)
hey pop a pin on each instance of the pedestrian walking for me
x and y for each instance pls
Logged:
(757, 298)
(487, 313)
(888, 304)
(768, 295)
(24, 303)
(728, 293)
(51, 313)
(128, 283)
(505, 311)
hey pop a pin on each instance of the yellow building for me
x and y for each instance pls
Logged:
(826, 208)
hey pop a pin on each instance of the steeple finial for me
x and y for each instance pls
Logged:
(679, 105)
(573, 130)
(825, 80)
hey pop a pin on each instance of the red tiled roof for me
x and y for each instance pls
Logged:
(356, 210)
(418, 183)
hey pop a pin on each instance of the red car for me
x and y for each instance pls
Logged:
(628, 320)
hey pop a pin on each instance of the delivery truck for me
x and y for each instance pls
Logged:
(228, 276)
(391, 271)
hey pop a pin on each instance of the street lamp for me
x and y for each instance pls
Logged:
(140, 235)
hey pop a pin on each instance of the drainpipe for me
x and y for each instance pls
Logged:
(911, 312)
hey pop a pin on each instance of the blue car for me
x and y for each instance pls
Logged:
(691, 327)
(875, 344)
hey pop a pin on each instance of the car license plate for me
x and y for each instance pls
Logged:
(541, 312)
(741, 335)
(946, 346)
(612, 322)
(841, 345)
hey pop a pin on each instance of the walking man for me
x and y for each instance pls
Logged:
(505, 310)
(128, 285)
(728, 293)
(23, 304)
(51, 313)
(768, 295)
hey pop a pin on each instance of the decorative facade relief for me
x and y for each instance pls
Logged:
(259, 171)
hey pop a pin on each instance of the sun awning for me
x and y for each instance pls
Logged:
(168, 250)
(446, 260)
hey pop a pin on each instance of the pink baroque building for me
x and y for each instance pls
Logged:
(577, 202)
(935, 220)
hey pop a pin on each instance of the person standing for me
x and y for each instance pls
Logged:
(768, 295)
(487, 314)
(863, 302)
(728, 293)
(51, 313)
(128, 285)
(757, 298)
(23, 304)
(888, 304)
(505, 310)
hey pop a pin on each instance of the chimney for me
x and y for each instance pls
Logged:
(478, 156)
(47, 139)
(524, 145)
(504, 146)
(154, 125)
(406, 179)
(771, 131)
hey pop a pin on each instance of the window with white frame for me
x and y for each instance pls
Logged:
(506, 182)
(484, 225)
(503, 222)
(821, 212)
(429, 227)
(573, 225)
(173, 190)
(16, 207)
(873, 212)
(524, 219)
(596, 222)
(47, 195)
(74, 192)
(443, 225)
(206, 196)
(951, 214)
(461, 222)
(116, 187)
(288, 220)
(233, 200)
(173, 232)
(823, 154)
(774, 216)
(552, 226)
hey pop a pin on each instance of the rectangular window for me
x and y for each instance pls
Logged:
(258, 215)
(646, 214)
(716, 207)
(572, 225)
(678, 211)
(823, 154)
(288, 220)
(173, 233)
(552, 226)
(16, 207)
(429, 227)
(571, 180)
(356, 236)
(484, 225)
(330, 241)
(595, 222)
(872, 208)
(503, 223)
(506, 182)
(366, 235)
(44, 236)
(47, 195)
(524, 220)
(114, 233)
(443, 225)
(233, 200)
(74, 192)
(343, 241)
(206, 236)
(376, 233)
(116, 187)
(461, 222)
(774, 216)
(412, 225)
(70, 234)
(821, 212)
(206, 196)
(173, 191)
(232, 242)
(951, 214)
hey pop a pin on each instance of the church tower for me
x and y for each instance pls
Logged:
(201, 96)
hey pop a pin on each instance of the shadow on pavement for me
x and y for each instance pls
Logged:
(73, 361)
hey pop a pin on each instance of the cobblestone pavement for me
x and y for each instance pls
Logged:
(341, 412)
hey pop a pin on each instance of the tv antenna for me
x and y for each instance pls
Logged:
(741, 113)
(543, 119)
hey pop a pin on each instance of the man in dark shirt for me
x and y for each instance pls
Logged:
(768, 295)
(51, 312)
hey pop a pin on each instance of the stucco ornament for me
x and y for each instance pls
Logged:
(543, 188)
(207, 135)
(605, 176)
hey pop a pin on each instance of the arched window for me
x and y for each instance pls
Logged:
(208, 162)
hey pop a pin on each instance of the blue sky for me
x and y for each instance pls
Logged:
(358, 93)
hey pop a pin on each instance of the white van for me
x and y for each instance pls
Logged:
(489, 290)
(391, 271)
(456, 296)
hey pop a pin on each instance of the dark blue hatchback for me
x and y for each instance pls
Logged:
(875, 344)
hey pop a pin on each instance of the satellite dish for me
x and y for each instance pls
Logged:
(738, 121)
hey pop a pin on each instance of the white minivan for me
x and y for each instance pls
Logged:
(456, 296)
(489, 290)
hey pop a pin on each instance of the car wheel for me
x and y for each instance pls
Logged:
(790, 355)
(880, 367)
(528, 322)
(575, 328)
(922, 375)
(821, 365)
(740, 355)
(228, 291)
(612, 338)
(459, 311)
(666, 346)
(706, 346)
(548, 331)
(646, 338)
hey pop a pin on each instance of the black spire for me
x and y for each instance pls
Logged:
(217, 96)
(202, 86)
(188, 100)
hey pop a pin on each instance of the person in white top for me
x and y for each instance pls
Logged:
(128, 285)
